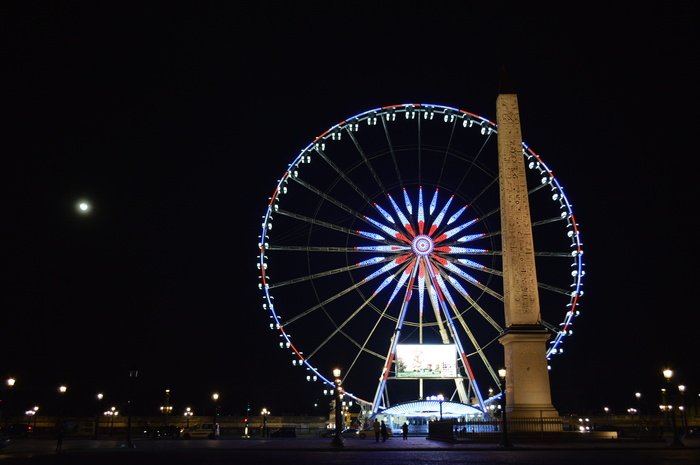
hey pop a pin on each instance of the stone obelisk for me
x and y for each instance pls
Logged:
(528, 393)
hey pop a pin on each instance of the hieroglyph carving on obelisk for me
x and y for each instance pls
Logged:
(521, 300)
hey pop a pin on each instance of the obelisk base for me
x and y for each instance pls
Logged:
(528, 393)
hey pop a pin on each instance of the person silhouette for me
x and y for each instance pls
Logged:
(60, 433)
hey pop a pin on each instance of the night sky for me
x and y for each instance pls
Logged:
(176, 120)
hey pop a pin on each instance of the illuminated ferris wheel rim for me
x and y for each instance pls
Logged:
(423, 245)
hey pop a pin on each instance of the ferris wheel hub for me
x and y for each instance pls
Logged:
(422, 245)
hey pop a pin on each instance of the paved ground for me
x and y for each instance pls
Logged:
(416, 450)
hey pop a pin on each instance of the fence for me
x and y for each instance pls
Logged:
(550, 429)
(491, 430)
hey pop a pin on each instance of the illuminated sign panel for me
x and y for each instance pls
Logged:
(426, 361)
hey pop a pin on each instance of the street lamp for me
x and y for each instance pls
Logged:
(264, 414)
(30, 413)
(676, 442)
(504, 441)
(684, 418)
(62, 391)
(100, 396)
(6, 410)
(638, 396)
(188, 414)
(167, 408)
(35, 409)
(112, 412)
(133, 374)
(215, 396)
(338, 437)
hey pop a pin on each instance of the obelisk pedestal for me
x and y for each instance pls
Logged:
(527, 380)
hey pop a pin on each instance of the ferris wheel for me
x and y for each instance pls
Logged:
(380, 254)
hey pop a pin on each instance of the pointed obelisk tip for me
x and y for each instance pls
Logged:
(506, 86)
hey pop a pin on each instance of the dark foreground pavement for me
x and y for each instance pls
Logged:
(301, 451)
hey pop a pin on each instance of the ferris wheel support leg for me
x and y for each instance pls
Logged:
(394, 340)
(461, 391)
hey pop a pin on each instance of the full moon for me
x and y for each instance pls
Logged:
(83, 207)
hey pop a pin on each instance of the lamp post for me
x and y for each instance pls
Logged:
(30, 414)
(6, 409)
(167, 408)
(638, 396)
(675, 442)
(264, 414)
(112, 412)
(338, 437)
(188, 414)
(35, 409)
(100, 396)
(62, 391)
(684, 417)
(504, 441)
(133, 374)
(214, 427)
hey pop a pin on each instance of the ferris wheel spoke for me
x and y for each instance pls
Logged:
(441, 216)
(484, 314)
(404, 221)
(448, 147)
(434, 302)
(363, 347)
(366, 161)
(317, 222)
(339, 330)
(554, 254)
(391, 147)
(536, 188)
(323, 304)
(467, 263)
(421, 211)
(344, 176)
(457, 270)
(470, 264)
(475, 160)
(548, 221)
(393, 263)
(387, 230)
(478, 349)
(332, 272)
(329, 198)
(466, 295)
(407, 202)
(549, 326)
(551, 288)
(442, 236)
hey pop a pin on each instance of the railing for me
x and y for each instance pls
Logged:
(533, 429)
